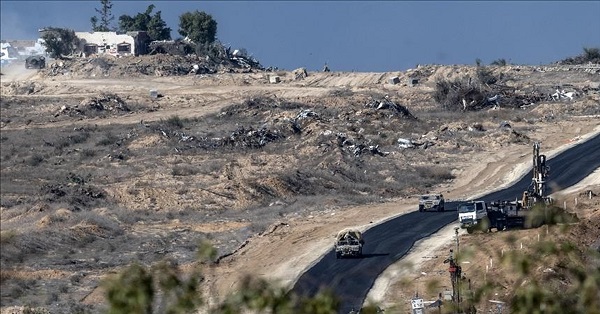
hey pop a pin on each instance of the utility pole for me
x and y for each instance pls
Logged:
(456, 233)
(459, 270)
(455, 272)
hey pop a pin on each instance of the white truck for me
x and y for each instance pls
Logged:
(515, 213)
(472, 213)
(431, 201)
(499, 214)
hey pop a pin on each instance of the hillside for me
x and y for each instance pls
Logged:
(97, 173)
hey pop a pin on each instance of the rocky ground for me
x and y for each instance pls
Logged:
(98, 173)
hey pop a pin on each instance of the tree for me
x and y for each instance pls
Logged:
(157, 28)
(499, 62)
(153, 24)
(60, 42)
(199, 27)
(105, 17)
(591, 54)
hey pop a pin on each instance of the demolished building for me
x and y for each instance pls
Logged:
(24, 48)
(130, 43)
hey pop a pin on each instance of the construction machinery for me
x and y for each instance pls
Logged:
(537, 189)
(509, 213)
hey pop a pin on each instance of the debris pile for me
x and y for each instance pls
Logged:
(108, 102)
(356, 147)
(408, 143)
(180, 136)
(562, 95)
(21, 88)
(102, 103)
(389, 106)
(303, 115)
(466, 94)
(250, 138)
(240, 138)
(300, 74)
(80, 194)
(172, 47)
(157, 64)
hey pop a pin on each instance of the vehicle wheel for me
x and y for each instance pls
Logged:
(485, 224)
(470, 229)
(443, 208)
(360, 252)
(338, 255)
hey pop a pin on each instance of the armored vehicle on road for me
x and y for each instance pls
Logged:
(431, 201)
(349, 242)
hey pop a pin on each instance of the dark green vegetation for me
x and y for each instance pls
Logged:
(589, 55)
(198, 26)
(59, 42)
(153, 24)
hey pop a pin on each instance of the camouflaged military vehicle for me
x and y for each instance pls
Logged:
(349, 242)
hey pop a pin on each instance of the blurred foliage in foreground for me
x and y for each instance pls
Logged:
(555, 272)
(553, 275)
(163, 288)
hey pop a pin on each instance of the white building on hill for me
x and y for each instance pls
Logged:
(131, 43)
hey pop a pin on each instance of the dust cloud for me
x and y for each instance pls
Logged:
(16, 71)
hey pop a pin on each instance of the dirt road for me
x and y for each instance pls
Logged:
(16, 71)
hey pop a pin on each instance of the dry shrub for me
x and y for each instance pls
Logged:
(7, 236)
(34, 160)
(184, 170)
(436, 173)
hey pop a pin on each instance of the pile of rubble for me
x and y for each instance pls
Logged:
(22, 88)
(240, 138)
(356, 147)
(392, 108)
(104, 102)
(154, 65)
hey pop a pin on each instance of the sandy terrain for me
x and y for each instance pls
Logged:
(311, 237)
(290, 242)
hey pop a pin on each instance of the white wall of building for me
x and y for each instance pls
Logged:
(107, 42)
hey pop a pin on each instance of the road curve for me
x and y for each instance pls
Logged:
(351, 279)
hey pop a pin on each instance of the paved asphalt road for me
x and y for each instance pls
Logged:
(351, 279)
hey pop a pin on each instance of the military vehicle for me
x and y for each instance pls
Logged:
(349, 242)
(431, 201)
(35, 62)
